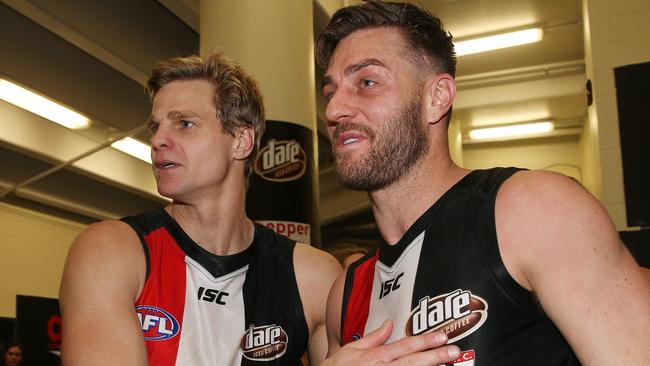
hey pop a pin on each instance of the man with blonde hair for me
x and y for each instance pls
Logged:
(198, 282)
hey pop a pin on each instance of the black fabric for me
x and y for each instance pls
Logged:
(142, 230)
(271, 284)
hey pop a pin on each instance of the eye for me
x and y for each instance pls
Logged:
(152, 127)
(186, 124)
(328, 93)
(366, 83)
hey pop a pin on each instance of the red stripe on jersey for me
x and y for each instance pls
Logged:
(167, 263)
(356, 311)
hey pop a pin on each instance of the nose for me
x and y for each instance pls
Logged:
(339, 108)
(161, 138)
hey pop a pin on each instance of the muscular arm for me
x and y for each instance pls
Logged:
(559, 242)
(103, 275)
(315, 272)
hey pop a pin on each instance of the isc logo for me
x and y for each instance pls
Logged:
(156, 323)
(390, 285)
(264, 343)
(211, 295)
(281, 161)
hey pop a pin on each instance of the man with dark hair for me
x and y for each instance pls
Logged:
(516, 267)
(196, 283)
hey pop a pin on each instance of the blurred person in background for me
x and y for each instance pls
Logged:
(12, 354)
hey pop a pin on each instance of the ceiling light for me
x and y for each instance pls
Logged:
(511, 131)
(498, 41)
(134, 148)
(41, 106)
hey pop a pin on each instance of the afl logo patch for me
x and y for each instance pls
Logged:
(458, 313)
(156, 323)
(281, 161)
(264, 343)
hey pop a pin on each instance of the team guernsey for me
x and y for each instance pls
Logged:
(197, 308)
(446, 274)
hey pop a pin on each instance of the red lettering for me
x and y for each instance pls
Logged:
(291, 229)
(54, 328)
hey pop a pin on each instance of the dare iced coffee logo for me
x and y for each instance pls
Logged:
(264, 343)
(458, 313)
(281, 161)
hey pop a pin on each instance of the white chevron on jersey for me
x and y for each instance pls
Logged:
(395, 305)
(197, 320)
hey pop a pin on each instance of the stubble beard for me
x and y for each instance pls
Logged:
(392, 152)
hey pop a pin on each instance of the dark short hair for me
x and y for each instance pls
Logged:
(423, 32)
(237, 96)
(9, 346)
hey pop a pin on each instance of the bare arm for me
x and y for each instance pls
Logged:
(425, 349)
(559, 242)
(103, 275)
(315, 273)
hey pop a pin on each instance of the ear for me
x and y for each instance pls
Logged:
(439, 94)
(243, 143)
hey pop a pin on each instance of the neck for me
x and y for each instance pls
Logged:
(217, 223)
(399, 205)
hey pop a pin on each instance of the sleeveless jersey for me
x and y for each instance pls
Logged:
(197, 308)
(446, 274)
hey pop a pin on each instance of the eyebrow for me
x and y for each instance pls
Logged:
(173, 115)
(180, 114)
(351, 69)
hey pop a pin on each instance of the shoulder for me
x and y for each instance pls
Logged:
(311, 263)
(106, 236)
(111, 239)
(545, 218)
(550, 196)
(109, 250)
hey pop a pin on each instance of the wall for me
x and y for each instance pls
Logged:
(617, 33)
(33, 251)
(561, 154)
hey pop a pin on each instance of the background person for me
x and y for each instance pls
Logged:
(12, 354)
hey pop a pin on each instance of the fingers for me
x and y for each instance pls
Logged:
(376, 338)
(422, 348)
(437, 356)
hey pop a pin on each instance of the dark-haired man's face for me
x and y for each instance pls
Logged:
(373, 110)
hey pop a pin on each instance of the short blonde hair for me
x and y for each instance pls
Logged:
(237, 96)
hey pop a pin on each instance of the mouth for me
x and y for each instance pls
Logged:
(350, 140)
(351, 134)
(165, 164)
